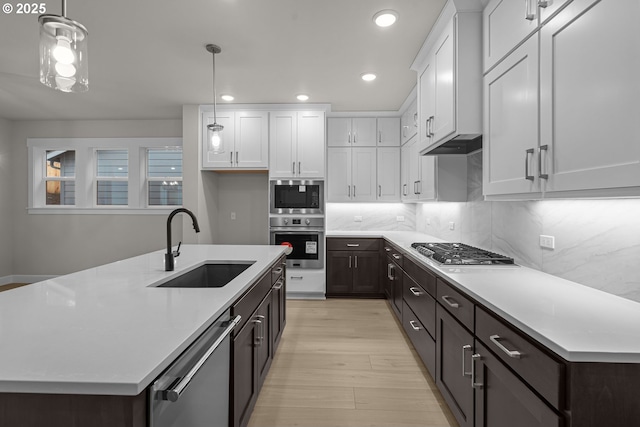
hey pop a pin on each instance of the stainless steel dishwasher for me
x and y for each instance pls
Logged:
(194, 390)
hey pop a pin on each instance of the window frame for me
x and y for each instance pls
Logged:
(86, 174)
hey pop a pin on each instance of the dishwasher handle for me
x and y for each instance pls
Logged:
(173, 394)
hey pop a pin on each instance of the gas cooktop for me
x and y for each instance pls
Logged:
(460, 254)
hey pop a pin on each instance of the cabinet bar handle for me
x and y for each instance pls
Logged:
(396, 256)
(531, 9)
(278, 270)
(173, 394)
(278, 285)
(404, 131)
(356, 257)
(293, 168)
(404, 189)
(354, 137)
(415, 120)
(415, 291)
(544, 3)
(413, 325)
(379, 137)
(474, 384)
(353, 245)
(261, 323)
(379, 190)
(231, 158)
(387, 249)
(354, 191)
(349, 191)
(349, 261)
(297, 277)
(390, 269)
(511, 353)
(465, 348)
(349, 137)
(540, 150)
(299, 168)
(450, 302)
(389, 266)
(426, 126)
(431, 120)
(526, 165)
(237, 158)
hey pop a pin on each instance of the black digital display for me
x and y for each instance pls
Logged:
(297, 221)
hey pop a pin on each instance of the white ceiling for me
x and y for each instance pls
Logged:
(147, 57)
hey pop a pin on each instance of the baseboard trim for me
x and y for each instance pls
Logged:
(24, 278)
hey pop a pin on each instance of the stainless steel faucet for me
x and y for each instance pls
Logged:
(170, 255)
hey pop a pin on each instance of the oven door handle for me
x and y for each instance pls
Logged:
(301, 230)
(173, 394)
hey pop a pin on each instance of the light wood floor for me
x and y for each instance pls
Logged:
(11, 286)
(343, 363)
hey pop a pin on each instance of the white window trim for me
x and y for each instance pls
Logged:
(85, 174)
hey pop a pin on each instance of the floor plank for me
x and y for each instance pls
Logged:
(347, 362)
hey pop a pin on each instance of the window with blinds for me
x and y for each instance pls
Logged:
(112, 177)
(164, 176)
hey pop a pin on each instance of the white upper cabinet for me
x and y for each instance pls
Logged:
(388, 174)
(450, 80)
(351, 132)
(351, 174)
(507, 23)
(297, 148)
(409, 122)
(590, 98)
(245, 137)
(511, 133)
(583, 86)
(388, 131)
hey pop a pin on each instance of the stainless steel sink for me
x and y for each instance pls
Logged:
(211, 275)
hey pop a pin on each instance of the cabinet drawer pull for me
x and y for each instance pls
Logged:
(390, 268)
(297, 277)
(387, 249)
(396, 256)
(173, 394)
(278, 270)
(511, 353)
(278, 285)
(526, 165)
(353, 245)
(474, 384)
(450, 302)
(413, 325)
(415, 291)
(465, 348)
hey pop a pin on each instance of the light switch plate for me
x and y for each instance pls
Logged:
(400, 218)
(452, 225)
(357, 218)
(548, 242)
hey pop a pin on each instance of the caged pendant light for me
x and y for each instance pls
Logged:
(215, 141)
(63, 53)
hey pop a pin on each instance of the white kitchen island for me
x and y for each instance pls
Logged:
(110, 330)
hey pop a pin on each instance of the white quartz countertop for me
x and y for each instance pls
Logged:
(108, 330)
(578, 323)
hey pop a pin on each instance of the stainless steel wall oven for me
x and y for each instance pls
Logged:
(306, 236)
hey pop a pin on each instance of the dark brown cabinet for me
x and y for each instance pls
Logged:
(504, 400)
(454, 346)
(353, 267)
(245, 372)
(279, 310)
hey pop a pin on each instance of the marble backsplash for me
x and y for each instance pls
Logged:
(374, 216)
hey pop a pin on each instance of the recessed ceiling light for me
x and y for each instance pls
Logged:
(385, 18)
(368, 77)
(226, 97)
(302, 97)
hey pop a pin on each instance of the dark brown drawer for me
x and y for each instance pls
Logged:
(347, 244)
(421, 303)
(278, 270)
(248, 303)
(424, 278)
(421, 340)
(456, 303)
(535, 365)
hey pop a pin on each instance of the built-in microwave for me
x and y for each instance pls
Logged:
(296, 197)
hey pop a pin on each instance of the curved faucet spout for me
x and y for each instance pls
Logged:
(169, 256)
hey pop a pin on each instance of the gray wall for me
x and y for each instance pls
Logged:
(6, 200)
(50, 244)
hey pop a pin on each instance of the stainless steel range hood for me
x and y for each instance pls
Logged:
(459, 144)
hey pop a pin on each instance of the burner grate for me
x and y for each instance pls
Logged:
(460, 254)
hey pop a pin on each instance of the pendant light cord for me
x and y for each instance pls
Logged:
(214, 87)
(64, 8)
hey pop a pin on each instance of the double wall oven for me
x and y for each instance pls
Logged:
(297, 219)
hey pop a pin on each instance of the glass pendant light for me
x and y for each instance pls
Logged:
(215, 141)
(63, 53)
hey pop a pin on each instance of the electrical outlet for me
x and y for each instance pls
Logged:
(428, 221)
(233, 215)
(548, 242)
(400, 218)
(452, 225)
(357, 218)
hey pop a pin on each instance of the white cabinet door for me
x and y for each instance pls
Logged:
(226, 159)
(339, 174)
(409, 122)
(506, 23)
(426, 105)
(511, 123)
(252, 140)
(363, 174)
(363, 132)
(426, 188)
(339, 132)
(444, 121)
(405, 183)
(311, 151)
(413, 154)
(590, 92)
(389, 174)
(389, 132)
(283, 144)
